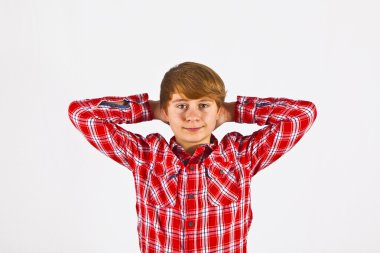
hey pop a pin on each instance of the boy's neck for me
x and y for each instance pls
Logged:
(190, 148)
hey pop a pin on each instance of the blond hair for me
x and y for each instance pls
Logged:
(193, 80)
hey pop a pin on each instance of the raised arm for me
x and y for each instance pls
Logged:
(287, 122)
(98, 118)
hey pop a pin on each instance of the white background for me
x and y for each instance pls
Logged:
(59, 194)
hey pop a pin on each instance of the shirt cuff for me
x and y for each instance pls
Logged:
(137, 104)
(245, 108)
(143, 100)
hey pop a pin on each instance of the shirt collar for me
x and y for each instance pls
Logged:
(176, 147)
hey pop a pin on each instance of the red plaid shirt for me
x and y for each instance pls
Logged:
(199, 203)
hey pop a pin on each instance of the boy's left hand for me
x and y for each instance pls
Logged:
(226, 113)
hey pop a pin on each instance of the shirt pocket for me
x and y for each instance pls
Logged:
(223, 184)
(162, 187)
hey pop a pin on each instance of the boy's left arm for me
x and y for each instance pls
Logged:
(286, 122)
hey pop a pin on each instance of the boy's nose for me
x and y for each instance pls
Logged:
(192, 114)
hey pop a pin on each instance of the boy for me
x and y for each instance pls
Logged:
(193, 193)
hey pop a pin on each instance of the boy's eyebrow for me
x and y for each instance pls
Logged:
(183, 99)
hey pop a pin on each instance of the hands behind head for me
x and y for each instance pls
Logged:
(226, 113)
(158, 113)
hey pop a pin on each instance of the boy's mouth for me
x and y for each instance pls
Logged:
(193, 129)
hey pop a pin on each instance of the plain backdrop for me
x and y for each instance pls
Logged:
(58, 194)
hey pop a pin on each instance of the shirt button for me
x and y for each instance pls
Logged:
(191, 223)
(172, 176)
(192, 168)
(221, 171)
(190, 196)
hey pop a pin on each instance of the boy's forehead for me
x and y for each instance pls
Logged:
(181, 98)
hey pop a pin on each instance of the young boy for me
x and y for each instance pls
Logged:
(193, 193)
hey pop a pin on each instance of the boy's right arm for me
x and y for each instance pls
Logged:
(98, 118)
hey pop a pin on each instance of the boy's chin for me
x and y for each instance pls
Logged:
(196, 139)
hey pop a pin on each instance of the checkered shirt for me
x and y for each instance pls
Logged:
(196, 203)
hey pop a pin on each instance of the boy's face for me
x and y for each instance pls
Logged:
(192, 120)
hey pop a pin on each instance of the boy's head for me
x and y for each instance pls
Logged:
(192, 80)
(191, 96)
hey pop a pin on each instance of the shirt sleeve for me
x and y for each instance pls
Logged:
(286, 122)
(97, 119)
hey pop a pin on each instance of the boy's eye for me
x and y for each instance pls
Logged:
(182, 106)
(204, 105)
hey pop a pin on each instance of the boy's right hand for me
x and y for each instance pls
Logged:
(158, 113)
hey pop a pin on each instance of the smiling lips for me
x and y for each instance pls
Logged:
(193, 129)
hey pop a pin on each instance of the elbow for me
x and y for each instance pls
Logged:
(310, 109)
(311, 115)
(313, 111)
(71, 110)
(307, 115)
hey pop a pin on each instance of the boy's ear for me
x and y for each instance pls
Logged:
(218, 113)
(164, 115)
